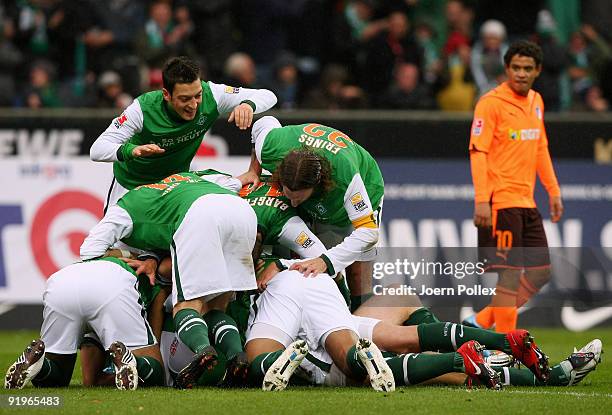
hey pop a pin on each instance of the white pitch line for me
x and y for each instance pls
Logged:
(5, 308)
(525, 392)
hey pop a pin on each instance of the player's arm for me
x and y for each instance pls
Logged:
(365, 235)
(224, 180)
(114, 226)
(241, 103)
(297, 236)
(112, 144)
(259, 132)
(481, 136)
(546, 173)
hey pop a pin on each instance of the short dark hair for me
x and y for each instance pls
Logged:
(179, 70)
(304, 169)
(524, 48)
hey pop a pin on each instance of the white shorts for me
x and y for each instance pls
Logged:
(211, 250)
(294, 307)
(115, 192)
(175, 354)
(96, 295)
(331, 235)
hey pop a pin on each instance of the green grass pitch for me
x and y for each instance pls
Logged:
(593, 395)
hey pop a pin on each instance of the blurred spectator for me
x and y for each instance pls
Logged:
(458, 91)
(286, 83)
(163, 36)
(31, 27)
(432, 12)
(595, 101)
(567, 15)
(111, 93)
(426, 38)
(240, 70)
(353, 27)
(393, 46)
(335, 91)
(10, 60)
(215, 35)
(42, 91)
(460, 20)
(487, 62)
(598, 14)
(264, 26)
(548, 84)
(407, 92)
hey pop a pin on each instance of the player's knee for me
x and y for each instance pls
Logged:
(539, 277)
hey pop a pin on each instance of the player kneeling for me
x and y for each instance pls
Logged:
(102, 295)
(296, 315)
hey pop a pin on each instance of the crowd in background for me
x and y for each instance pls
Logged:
(320, 54)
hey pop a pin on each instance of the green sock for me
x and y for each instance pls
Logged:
(344, 290)
(357, 300)
(524, 377)
(191, 329)
(414, 368)
(260, 365)
(421, 316)
(450, 336)
(150, 371)
(356, 367)
(223, 333)
(52, 375)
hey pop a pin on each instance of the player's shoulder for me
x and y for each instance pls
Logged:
(150, 98)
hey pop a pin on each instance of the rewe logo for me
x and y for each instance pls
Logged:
(39, 143)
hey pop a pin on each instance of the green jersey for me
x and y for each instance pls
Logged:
(347, 160)
(273, 210)
(157, 209)
(163, 126)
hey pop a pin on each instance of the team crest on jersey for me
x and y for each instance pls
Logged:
(201, 120)
(477, 126)
(120, 120)
(304, 240)
(358, 203)
(232, 90)
(513, 134)
(538, 111)
(320, 208)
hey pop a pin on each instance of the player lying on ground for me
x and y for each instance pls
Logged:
(103, 295)
(210, 233)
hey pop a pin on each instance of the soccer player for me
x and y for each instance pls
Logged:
(210, 233)
(105, 295)
(160, 132)
(336, 185)
(296, 315)
(508, 147)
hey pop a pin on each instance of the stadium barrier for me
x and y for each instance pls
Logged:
(392, 134)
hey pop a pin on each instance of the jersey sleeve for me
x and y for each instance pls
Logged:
(228, 97)
(114, 226)
(120, 130)
(297, 237)
(483, 126)
(544, 165)
(260, 131)
(365, 235)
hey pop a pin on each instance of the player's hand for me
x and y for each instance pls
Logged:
(147, 267)
(311, 267)
(147, 150)
(482, 215)
(556, 209)
(266, 276)
(242, 115)
(249, 177)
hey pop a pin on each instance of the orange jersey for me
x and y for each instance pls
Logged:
(509, 129)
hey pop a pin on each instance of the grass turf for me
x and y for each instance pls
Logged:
(593, 395)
